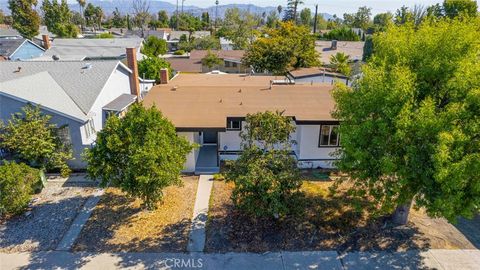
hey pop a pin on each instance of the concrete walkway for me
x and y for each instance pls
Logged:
(74, 231)
(431, 259)
(196, 241)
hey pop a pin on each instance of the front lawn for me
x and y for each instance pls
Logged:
(328, 223)
(119, 224)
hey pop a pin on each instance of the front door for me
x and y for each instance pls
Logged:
(210, 137)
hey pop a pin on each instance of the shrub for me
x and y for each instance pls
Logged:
(104, 35)
(150, 67)
(179, 52)
(17, 182)
(342, 34)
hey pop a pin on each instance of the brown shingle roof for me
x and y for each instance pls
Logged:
(206, 100)
(229, 54)
(185, 64)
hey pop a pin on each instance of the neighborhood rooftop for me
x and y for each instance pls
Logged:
(80, 49)
(70, 87)
(210, 98)
(354, 49)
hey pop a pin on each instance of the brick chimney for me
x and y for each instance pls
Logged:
(132, 65)
(164, 76)
(46, 42)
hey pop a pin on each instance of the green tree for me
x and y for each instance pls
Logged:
(453, 8)
(279, 50)
(149, 68)
(367, 49)
(291, 12)
(58, 18)
(266, 176)
(410, 125)
(205, 20)
(341, 34)
(154, 46)
(306, 17)
(118, 20)
(238, 26)
(163, 18)
(140, 153)
(33, 139)
(321, 23)
(206, 43)
(211, 60)
(81, 6)
(25, 19)
(17, 183)
(382, 20)
(272, 19)
(340, 63)
(360, 19)
(93, 15)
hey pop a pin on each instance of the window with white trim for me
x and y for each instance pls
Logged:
(64, 134)
(89, 128)
(329, 135)
(234, 125)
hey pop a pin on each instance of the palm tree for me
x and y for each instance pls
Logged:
(339, 62)
(81, 4)
(279, 9)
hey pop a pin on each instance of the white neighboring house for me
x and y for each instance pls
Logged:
(226, 44)
(78, 95)
(210, 109)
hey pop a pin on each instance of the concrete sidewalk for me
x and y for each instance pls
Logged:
(431, 259)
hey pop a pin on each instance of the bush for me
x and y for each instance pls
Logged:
(179, 52)
(151, 66)
(17, 183)
(104, 35)
(341, 34)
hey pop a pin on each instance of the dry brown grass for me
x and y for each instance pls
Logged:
(120, 224)
(328, 222)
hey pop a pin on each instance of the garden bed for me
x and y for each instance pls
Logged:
(120, 224)
(328, 223)
(49, 216)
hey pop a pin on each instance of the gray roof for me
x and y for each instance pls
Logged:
(79, 49)
(9, 46)
(120, 103)
(9, 32)
(81, 84)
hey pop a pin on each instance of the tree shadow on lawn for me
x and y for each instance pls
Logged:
(470, 228)
(43, 227)
(120, 224)
(327, 223)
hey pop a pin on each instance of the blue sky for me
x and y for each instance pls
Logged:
(333, 7)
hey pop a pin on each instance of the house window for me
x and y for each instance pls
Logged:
(233, 125)
(89, 128)
(64, 135)
(329, 135)
(234, 64)
(227, 64)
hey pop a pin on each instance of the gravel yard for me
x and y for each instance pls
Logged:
(49, 216)
(120, 224)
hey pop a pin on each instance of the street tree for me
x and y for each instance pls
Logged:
(266, 176)
(278, 50)
(140, 153)
(154, 46)
(306, 17)
(58, 18)
(211, 60)
(410, 125)
(24, 17)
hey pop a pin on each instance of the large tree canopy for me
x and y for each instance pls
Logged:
(25, 19)
(279, 50)
(140, 153)
(411, 125)
(57, 18)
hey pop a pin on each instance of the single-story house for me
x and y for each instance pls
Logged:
(78, 49)
(210, 109)
(173, 37)
(232, 62)
(354, 49)
(19, 49)
(79, 95)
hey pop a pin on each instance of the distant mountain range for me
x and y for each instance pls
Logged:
(125, 6)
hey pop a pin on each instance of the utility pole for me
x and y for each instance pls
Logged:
(182, 5)
(315, 20)
(216, 14)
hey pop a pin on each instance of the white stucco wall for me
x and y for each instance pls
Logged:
(312, 155)
(192, 157)
(117, 84)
